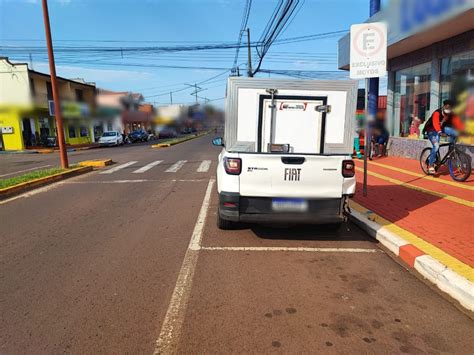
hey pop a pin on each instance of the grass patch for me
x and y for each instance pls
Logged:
(4, 183)
(177, 139)
(182, 138)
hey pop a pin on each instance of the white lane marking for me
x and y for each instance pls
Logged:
(195, 243)
(132, 181)
(109, 182)
(171, 328)
(117, 168)
(175, 167)
(25, 170)
(204, 167)
(147, 167)
(295, 249)
(189, 180)
(33, 192)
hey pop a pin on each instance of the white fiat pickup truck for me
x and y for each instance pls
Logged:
(286, 153)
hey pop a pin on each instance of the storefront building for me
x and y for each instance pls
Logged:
(25, 117)
(121, 111)
(430, 59)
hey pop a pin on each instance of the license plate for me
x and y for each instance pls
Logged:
(289, 205)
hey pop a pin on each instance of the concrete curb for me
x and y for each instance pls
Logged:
(179, 140)
(18, 152)
(33, 184)
(431, 269)
(96, 163)
(48, 150)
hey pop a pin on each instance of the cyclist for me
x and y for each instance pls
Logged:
(444, 121)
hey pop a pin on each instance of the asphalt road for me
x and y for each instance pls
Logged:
(131, 261)
(13, 164)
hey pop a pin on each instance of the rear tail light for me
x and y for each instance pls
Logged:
(233, 166)
(348, 168)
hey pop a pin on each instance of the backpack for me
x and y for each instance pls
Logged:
(429, 123)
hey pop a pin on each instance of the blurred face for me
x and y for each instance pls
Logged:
(447, 109)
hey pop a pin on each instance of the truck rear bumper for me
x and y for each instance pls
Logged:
(236, 208)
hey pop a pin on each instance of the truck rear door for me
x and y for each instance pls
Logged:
(295, 125)
(292, 121)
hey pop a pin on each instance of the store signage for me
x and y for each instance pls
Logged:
(70, 109)
(284, 106)
(417, 13)
(7, 130)
(368, 54)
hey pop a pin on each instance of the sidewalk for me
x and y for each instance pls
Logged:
(433, 215)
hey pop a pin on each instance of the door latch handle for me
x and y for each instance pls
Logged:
(293, 160)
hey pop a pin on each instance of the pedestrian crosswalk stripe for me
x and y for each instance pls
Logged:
(204, 167)
(118, 167)
(176, 166)
(147, 167)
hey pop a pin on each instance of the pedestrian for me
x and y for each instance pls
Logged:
(381, 135)
(357, 143)
(443, 120)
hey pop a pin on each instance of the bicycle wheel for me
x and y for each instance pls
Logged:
(372, 151)
(459, 166)
(424, 157)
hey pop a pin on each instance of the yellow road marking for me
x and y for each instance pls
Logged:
(421, 189)
(451, 262)
(428, 177)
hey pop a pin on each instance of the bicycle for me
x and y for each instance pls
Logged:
(459, 163)
(377, 150)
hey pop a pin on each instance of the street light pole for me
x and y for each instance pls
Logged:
(57, 105)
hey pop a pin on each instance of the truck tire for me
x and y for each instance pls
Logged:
(224, 224)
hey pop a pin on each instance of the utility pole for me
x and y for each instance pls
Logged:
(54, 85)
(196, 92)
(249, 64)
(31, 62)
(197, 89)
(171, 97)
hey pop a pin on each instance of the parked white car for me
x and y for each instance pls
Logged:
(111, 138)
(286, 153)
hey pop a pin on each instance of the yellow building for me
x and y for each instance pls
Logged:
(25, 120)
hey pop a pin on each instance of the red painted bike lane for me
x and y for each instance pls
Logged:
(437, 220)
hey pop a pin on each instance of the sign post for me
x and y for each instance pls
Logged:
(368, 59)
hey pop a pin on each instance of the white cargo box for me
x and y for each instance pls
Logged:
(309, 116)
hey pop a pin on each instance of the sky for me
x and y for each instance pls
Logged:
(151, 23)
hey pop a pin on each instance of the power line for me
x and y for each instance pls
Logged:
(280, 17)
(263, 45)
(243, 25)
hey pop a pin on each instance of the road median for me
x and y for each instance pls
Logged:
(96, 163)
(175, 141)
(27, 182)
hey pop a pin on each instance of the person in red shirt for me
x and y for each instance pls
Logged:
(444, 121)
